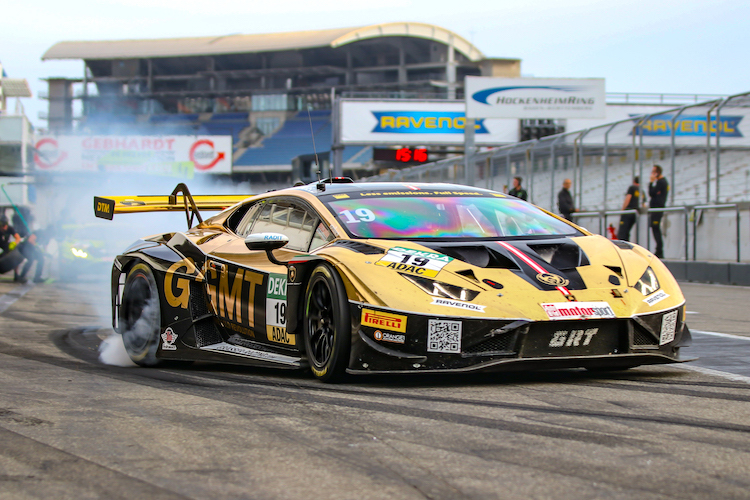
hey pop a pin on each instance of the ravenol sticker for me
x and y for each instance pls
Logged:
(656, 297)
(417, 262)
(276, 311)
(169, 337)
(467, 306)
(578, 310)
(377, 319)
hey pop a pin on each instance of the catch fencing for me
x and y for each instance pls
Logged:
(703, 148)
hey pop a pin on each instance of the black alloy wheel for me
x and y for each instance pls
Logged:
(140, 316)
(327, 327)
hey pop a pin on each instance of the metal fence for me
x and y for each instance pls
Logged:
(701, 165)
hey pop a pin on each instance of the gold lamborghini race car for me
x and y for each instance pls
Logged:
(346, 277)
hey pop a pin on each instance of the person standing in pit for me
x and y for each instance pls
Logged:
(658, 189)
(517, 190)
(632, 200)
(565, 200)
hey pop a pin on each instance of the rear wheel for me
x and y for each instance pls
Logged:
(140, 316)
(327, 328)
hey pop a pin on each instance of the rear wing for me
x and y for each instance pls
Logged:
(179, 200)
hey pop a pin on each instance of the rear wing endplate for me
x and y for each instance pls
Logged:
(180, 199)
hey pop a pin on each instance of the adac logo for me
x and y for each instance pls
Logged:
(203, 155)
(47, 153)
(552, 279)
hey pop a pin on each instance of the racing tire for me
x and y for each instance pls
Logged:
(326, 326)
(140, 316)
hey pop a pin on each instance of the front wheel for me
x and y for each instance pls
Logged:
(327, 328)
(140, 316)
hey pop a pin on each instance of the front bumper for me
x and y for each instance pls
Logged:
(387, 341)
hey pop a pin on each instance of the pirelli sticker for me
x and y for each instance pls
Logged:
(276, 310)
(388, 321)
(417, 262)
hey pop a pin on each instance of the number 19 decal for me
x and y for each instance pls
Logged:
(359, 215)
(276, 311)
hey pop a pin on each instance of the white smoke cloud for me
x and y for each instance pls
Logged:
(112, 349)
(112, 352)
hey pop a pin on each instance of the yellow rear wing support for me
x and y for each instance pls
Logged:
(180, 199)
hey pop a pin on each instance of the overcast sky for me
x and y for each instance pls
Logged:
(662, 46)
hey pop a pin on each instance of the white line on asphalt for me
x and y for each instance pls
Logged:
(717, 334)
(9, 299)
(716, 373)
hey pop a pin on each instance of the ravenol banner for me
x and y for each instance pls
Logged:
(402, 122)
(540, 98)
(688, 126)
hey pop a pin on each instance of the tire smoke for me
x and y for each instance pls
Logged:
(112, 352)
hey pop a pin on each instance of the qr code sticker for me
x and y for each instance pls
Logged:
(444, 336)
(668, 327)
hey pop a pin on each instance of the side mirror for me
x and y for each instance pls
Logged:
(265, 241)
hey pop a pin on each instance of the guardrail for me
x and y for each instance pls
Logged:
(700, 208)
(690, 213)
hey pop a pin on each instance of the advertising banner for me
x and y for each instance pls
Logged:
(540, 98)
(417, 123)
(169, 155)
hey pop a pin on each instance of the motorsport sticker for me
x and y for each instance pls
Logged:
(169, 337)
(467, 306)
(389, 337)
(578, 310)
(656, 297)
(409, 261)
(276, 310)
(377, 319)
(668, 327)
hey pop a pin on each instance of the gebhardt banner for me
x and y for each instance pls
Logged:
(401, 122)
(540, 98)
(171, 155)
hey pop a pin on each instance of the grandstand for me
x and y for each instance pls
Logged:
(257, 88)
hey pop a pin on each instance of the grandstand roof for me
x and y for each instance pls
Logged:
(268, 42)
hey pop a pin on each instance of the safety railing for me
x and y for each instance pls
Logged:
(700, 208)
(684, 210)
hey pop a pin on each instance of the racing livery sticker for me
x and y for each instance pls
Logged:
(467, 306)
(578, 310)
(444, 336)
(276, 311)
(417, 262)
(668, 327)
(572, 338)
(169, 337)
(656, 297)
(389, 337)
(377, 319)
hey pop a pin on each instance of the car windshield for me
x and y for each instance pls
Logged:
(445, 217)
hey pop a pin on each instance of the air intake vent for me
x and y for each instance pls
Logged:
(561, 255)
(476, 255)
(499, 344)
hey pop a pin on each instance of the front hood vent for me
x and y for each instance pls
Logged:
(561, 256)
(476, 255)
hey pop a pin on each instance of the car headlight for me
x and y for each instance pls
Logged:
(648, 283)
(439, 289)
(79, 253)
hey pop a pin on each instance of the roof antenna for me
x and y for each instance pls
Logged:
(321, 186)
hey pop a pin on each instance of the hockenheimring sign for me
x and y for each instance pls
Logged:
(527, 98)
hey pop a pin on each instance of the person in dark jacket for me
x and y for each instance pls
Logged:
(658, 189)
(517, 190)
(8, 234)
(632, 200)
(565, 200)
